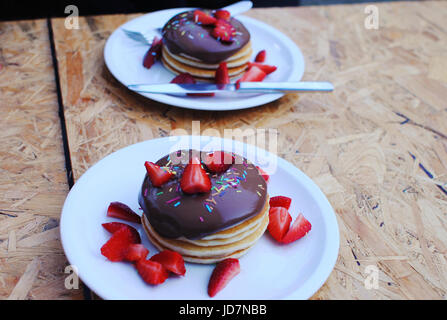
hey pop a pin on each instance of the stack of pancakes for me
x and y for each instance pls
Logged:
(232, 242)
(181, 63)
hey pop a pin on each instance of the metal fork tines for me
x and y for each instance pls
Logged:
(140, 37)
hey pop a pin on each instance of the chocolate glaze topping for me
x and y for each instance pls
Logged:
(236, 195)
(182, 35)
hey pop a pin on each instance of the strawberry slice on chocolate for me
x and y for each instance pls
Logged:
(280, 201)
(299, 229)
(223, 14)
(194, 178)
(279, 222)
(222, 274)
(121, 211)
(218, 161)
(203, 18)
(115, 249)
(263, 174)
(152, 272)
(171, 260)
(113, 227)
(223, 31)
(157, 175)
(153, 54)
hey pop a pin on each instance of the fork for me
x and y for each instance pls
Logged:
(235, 9)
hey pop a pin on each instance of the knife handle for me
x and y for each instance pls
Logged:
(286, 86)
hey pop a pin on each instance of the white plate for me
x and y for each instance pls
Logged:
(268, 270)
(124, 58)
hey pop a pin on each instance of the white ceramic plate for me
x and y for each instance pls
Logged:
(268, 270)
(124, 58)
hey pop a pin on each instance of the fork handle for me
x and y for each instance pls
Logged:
(238, 7)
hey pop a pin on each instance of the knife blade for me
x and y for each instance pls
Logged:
(251, 87)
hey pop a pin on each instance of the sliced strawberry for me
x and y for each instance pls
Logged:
(280, 201)
(121, 211)
(194, 178)
(222, 274)
(299, 229)
(218, 161)
(223, 31)
(152, 272)
(113, 227)
(263, 174)
(186, 78)
(153, 54)
(135, 252)
(253, 74)
(157, 175)
(203, 18)
(223, 14)
(264, 67)
(279, 222)
(171, 260)
(222, 76)
(115, 249)
(260, 57)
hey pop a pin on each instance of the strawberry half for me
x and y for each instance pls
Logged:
(135, 252)
(203, 18)
(253, 74)
(113, 227)
(279, 222)
(157, 175)
(223, 14)
(299, 229)
(264, 67)
(121, 211)
(223, 31)
(186, 78)
(263, 174)
(222, 76)
(171, 260)
(260, 57)
(115, 249)
(222, 274)
(152, 272)
(194, 178)
(218, 161)
(280, 201)
(153, 54)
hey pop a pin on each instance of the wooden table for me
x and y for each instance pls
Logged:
(376, 146)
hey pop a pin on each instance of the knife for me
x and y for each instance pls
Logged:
(251, 87)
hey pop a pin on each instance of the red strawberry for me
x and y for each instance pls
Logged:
(113, 227)
(194, 178)
(279, 222)
(115, 249)
(186, 78)
(260, 57)
(152, 272)
(222, 14)
(299, 229)
(203, 18)
(280, 201)
(121, 211)
(157, 175)
(153, 53)
(253, 74)
(218, 161)
(264, 67)
(171, 260)
(222, 274)
(223, 31)
(263, 174)
(135, 252)
(222, 76)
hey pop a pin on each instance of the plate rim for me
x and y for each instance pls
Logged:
(311, 285)
(205, 103)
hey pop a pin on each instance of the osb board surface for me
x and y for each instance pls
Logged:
(33, 182)
(355, 143)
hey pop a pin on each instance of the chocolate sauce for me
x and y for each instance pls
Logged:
(236, 195)
(182, 35)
